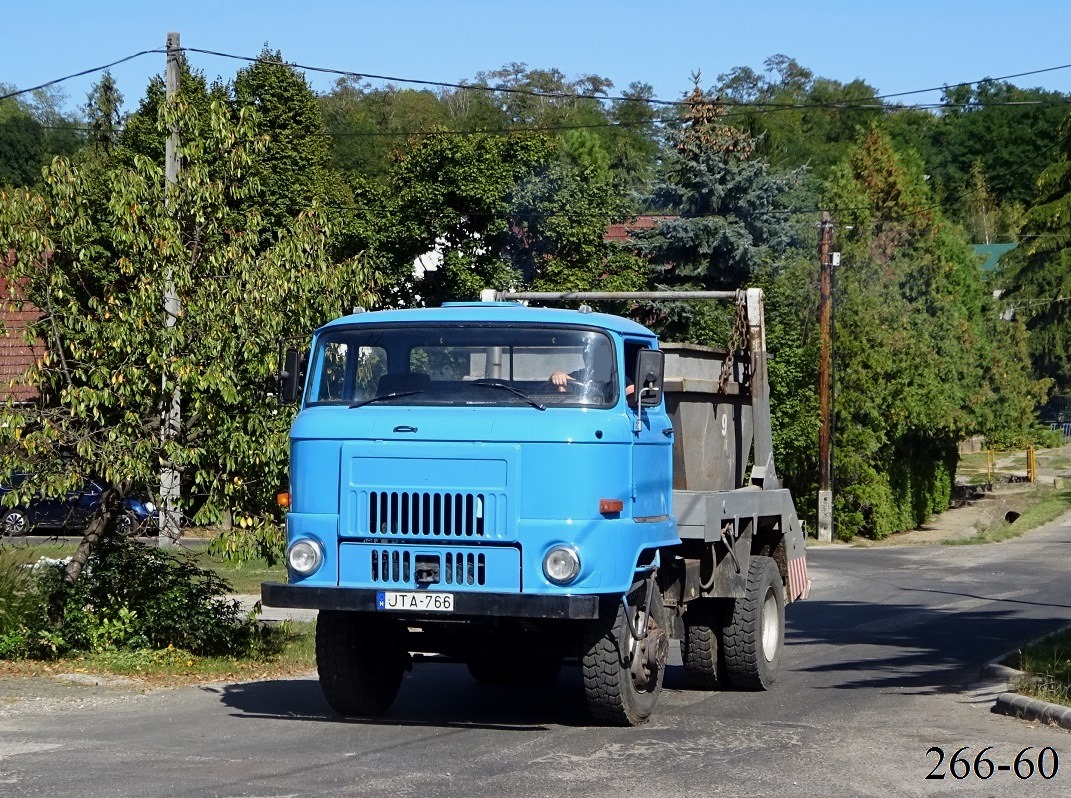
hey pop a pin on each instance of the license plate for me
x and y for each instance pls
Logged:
(414, 601)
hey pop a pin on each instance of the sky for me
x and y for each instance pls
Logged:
(899, 46)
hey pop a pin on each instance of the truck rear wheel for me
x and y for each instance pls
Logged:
(623, 676)
(702, 628)
(754, 637)
(361, 660)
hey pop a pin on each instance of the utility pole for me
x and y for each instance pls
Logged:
(825, 459)
(171, 420)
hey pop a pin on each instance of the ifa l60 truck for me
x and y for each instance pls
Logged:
(517, 488)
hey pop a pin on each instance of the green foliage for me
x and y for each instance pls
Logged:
(131, 598)
(727, 217)
(814, 130)
(922, 358)
(261, 539)
(1038, 272)
(94, 250)
(22, 606)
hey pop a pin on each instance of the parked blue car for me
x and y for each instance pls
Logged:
(74, 512)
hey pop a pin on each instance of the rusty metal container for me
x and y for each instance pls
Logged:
(713, 425)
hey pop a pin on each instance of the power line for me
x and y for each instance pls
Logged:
(80, 74)
(646, 100)
(974, 82)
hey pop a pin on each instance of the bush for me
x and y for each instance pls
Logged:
(132, 597)
(22, 609)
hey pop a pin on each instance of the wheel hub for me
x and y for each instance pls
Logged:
(651, 655)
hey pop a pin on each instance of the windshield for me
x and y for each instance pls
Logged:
(463, 365)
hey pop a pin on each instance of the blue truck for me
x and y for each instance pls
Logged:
(517, 488)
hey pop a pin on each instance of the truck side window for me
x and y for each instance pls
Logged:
(632, 348)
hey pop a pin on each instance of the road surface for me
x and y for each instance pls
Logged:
(882, 664)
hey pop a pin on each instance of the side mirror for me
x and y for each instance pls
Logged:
(292, 376)
(650, 369)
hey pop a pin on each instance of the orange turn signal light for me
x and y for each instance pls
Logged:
(283, 499)
(611, 505)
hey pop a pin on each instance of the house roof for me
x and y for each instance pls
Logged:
(620, 232)
(992, 253)
(15, 355)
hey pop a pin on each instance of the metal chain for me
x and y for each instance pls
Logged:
(736, 344)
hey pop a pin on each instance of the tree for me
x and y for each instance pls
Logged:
(728, 214)
(453, 194)
(921, 360)
(97, 271)
(1038, 271)
(293, 168)
(796, 118)
(103, 111)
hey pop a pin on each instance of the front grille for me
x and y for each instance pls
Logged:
(426, 513)
(458, 568)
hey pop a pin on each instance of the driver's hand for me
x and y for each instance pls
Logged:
(561, 379)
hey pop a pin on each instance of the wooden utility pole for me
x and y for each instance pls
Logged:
(171, 421)
(825, 458)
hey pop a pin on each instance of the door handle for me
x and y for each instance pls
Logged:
(405, 428)
(667, 431)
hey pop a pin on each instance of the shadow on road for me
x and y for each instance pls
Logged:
(433, 695)
(912, 648)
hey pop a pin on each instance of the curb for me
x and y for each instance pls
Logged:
(1020, 706)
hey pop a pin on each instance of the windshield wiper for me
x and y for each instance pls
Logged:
(514, 391)
(384, 397)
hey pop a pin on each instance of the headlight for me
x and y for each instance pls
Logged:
(561, 565)
(304, 557)
(150, 507)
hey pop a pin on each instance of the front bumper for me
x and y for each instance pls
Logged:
(501, 605)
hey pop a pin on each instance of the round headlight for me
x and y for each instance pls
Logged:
(304, 557)
(561, 565)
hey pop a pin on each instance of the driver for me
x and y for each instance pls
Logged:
(598, 370)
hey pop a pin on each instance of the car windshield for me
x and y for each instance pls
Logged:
(463, 364)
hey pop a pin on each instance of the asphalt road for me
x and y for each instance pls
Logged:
(882, 664)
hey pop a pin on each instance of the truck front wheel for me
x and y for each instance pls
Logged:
(361, 660)
(622, 675)
(754, 637)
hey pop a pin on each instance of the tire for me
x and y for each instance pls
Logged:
(615, 694)
(15, 523)
(702, 628)
(126, 525)
(361, 661)
(754, 637)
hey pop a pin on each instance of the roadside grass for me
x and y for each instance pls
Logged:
(1047, 669)
(292, 652)
(1050, 504)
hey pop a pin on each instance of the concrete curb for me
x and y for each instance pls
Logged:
(1020, 706)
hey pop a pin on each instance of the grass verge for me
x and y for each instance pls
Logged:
(1051, 505)
(1047, 666)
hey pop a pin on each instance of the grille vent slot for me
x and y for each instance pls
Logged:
(427, 513)
(464, 568)
(458, 567)
(391, 566)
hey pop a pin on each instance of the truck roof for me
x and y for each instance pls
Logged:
(501, 312)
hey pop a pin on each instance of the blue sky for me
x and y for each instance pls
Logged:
(895, 46)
